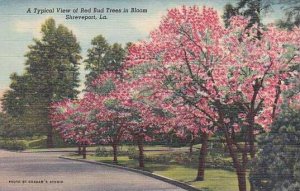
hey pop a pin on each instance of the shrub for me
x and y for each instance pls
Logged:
(132, 153)
(219, 162)
(183, 159)
(13, 145)
(102, 152)
(212, 161)
(163, 159)
(276, 166)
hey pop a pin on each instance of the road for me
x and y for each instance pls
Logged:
(45, 172)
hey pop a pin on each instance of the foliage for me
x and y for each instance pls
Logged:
(199, 78)
(251, 9)
(51, 74)
(69, 119)
(255, 9)
(132, 152)
(13, 145)
(102, 57)
(277, 164)
(41, 142)
(218, 79)
(229, 11)
(103, 152)
(226, 178)
(292, 14)
(15, 99)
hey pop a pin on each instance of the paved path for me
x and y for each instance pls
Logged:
(64, 175)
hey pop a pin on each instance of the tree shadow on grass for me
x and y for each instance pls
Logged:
(151, 167)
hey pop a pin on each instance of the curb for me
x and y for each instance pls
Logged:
(153, 175)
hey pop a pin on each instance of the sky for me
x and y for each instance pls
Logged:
(18, 28)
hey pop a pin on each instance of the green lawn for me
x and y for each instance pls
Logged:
(215, 179)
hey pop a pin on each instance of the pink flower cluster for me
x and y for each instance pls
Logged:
(203, 75)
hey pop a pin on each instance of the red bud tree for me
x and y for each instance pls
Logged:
(71, 121)
(230, 78)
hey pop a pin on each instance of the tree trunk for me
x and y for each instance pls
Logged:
(239, 166)
(79, 150)
(234, 149)
(252, 149)
(50, 137)
(191, 146)
(241, 179)
(84, 151)
(115, 151)
(141, 152)
(251, 135)
(202, 156)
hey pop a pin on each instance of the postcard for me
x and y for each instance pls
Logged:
(149, 95)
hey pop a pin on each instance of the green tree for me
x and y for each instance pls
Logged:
(51, 74)
(292, 14)
(95, 61)
(229, 11)
(6, 129)
(15, 100)
(252, 9)
(102, 57)
(277, 166)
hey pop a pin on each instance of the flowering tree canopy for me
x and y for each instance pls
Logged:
(231, 78)
(192, 74)
(72, 122)
(207, 63)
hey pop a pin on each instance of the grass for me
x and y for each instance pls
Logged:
(215, 179)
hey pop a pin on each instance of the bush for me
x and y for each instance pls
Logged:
(219, 162)
(276, 166)
(13, 145)
(163, 159)
(102, 152)
(132, 153)
(184, 159)
(41, 142)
